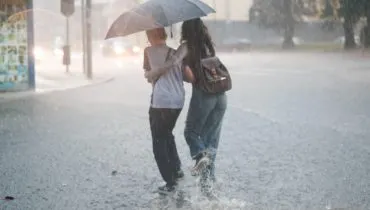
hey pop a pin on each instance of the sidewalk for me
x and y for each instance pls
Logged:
(359, 53)
(56, 80)
(50, 80)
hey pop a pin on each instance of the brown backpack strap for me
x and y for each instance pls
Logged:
(168, 54)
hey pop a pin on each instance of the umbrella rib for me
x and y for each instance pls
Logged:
(164, 14)
(198, 6)
(135, 12)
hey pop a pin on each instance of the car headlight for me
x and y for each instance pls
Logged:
(76, 54)
(38, 52)
(58, 52)
(136, 49)
(118, 49)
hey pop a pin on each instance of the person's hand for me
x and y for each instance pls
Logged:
(146, 77)
(188, 75)
(150, 79)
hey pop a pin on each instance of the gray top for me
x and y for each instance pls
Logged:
(168, 90)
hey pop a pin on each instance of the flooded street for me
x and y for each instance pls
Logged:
(295, 136)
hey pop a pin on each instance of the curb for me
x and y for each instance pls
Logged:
(11, 96)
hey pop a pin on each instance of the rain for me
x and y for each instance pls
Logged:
(75, 103)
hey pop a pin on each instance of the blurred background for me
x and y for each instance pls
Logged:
(236, 25)
(296, 133)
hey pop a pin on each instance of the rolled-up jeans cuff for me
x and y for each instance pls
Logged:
(204, 153)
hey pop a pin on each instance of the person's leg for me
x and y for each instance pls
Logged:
(212, 131)
(199, 108)
(159, 125)
(172, 150)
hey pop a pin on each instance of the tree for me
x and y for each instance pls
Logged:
(350, 11)
(328, 11)
(328, 15)
(288, 24)
(281, 15)
(366, 32)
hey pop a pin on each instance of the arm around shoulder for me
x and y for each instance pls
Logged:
(179, 55)
(188, 75)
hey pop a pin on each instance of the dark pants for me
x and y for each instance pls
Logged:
(162, 123)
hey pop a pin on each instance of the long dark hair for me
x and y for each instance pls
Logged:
(195, 35)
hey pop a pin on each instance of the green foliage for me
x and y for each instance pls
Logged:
(273, 14)
(328, 11)
(353, 9)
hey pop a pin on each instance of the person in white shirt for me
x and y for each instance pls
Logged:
(206, 111)
(167, 100)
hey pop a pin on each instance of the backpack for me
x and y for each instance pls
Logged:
(214, 76)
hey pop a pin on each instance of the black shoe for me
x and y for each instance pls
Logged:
(202, 161)
(167, 189)
(179, 175)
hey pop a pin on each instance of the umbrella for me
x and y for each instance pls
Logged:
(156, 14)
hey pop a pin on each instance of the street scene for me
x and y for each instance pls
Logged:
(295, 137)
(76, 112)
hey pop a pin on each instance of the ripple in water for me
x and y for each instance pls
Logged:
(197, 203)
(190, 197)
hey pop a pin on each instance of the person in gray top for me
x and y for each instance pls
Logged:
(167, 100)
(206, 110)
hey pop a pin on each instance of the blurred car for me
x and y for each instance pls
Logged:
(74, 53)
(296, 40)
(119, 47)
(39, 54)
(239, 44)
(278, 41)
(342, 39)
(58, 44)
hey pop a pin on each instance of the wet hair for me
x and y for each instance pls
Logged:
(157, 34)
(199, 43)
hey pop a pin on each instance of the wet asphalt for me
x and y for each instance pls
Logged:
(296, 136)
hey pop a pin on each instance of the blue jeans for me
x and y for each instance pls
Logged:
(204, 123)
